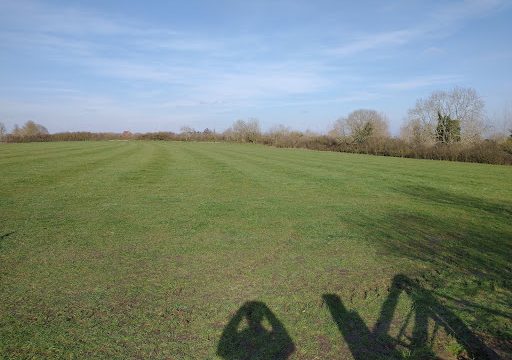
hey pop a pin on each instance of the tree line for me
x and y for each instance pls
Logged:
(448, 125)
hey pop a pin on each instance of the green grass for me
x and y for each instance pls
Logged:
(151, 249)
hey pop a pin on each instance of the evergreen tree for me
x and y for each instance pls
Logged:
(447, 130)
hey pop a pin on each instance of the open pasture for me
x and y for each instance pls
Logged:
(132, 249)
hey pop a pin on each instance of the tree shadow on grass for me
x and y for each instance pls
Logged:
(471, 235)
(255, 333)
(378, 344)
(439, 196)
(465, 246)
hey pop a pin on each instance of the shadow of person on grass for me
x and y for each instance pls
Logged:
(377, 343)
(255, 333)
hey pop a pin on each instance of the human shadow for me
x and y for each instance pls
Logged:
(377, 343)
(254, 332)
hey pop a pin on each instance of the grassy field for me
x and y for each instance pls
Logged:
(214, 250)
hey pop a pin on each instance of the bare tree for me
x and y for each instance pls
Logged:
(506, 121)
(30, 128)
(246, 131)
(338, 129)
(3, 131)
(187, 131)
(278, 131)
(415, 132)
(16, 130)
(462, 104)
(361, 125)
(500, 128)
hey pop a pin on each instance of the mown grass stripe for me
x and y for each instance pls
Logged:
(147, 249)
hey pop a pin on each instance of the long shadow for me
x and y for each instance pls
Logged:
(362, 342)
(439, 196)
(6, 235)
(254, 332)
(471, 235)
(464, 246)
(376, 343)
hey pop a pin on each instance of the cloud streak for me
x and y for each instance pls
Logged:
(422, 81)
(376, 40)
(439, 24)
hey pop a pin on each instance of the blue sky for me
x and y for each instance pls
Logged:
(107, 65)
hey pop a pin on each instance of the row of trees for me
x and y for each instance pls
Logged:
(446, 125)
(29, 129)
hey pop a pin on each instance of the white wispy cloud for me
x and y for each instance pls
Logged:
(64, 34)
(422, 81)
(440, 23)
(70, 20)
(31, 21)
(376, 40)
